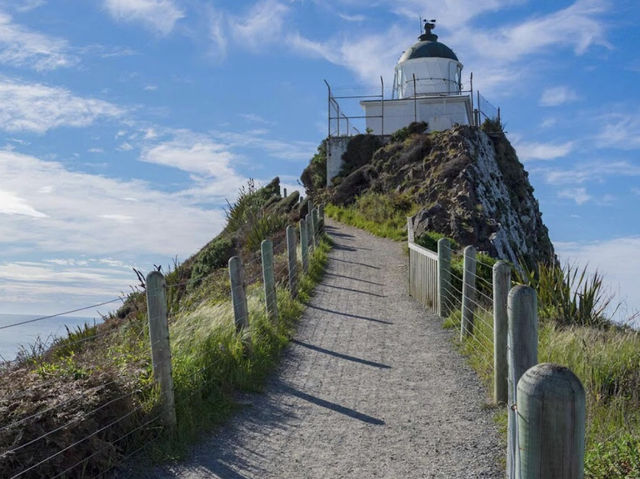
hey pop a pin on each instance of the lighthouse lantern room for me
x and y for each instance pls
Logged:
(426, 87)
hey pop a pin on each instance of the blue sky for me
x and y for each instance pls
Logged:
(125, 124)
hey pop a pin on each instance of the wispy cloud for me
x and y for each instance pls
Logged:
(261, 25)
(10, 204)
(589, 171)
(38, 108)
(558, 95)
(543, 151)
(579, 195)
(22, 47)
(620, 131)
(58, 210)
(157, 15)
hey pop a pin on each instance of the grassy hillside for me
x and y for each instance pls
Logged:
(89, 400)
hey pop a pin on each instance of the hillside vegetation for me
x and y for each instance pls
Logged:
(437, 179)
(80, 406)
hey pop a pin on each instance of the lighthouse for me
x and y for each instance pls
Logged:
(427, 87)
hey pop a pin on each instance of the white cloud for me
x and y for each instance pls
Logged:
(20, 46)
(558, 95)
(11, 204)
(543, 151)
(494, 54)
(261, 26)
(620, 131)
(579, 195)
(368, 56)
(352, 18)
(158, 15)
(590, 172)
(38, 108)
(617, 259)
(201, 157)
(94, 215)
(252, 117)
(217, 35)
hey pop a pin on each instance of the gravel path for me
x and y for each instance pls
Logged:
(370, 387)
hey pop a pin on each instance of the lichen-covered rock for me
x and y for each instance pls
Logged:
(471, 186)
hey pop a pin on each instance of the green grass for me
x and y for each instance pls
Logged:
(383, 215)
(212, 363)
(572, 305)
(608, 365)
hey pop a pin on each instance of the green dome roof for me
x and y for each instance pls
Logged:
(428, 49)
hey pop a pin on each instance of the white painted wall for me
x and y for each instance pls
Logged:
(336, 146)
(441, 113)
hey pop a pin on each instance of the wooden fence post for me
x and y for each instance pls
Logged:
(410, 233)
(308, 222)
(321, 214)
(444, 277)
(316, 213)
(551, 423)
(468, 292)
(522, 347)
(314, 229)
(238, 294)
(292, 258)
(160, 348)
(304, 245)
(501, 286)
(268, 277)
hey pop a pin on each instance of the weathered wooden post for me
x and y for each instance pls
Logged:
(444, 278)
(268, 277)
(314, 229)
(309, 206)
(160, 348)
(292, 258)
(522, 353)
(551, 423)
(316, 223)
(238, 294)
(304, 245)
(308, 221)
(285, 193)
(410, 233)
(319, 221)
(501, 286)
(468, 292)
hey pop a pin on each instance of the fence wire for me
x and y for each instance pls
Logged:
(254, 276)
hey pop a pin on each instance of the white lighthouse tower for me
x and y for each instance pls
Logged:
(426, 87)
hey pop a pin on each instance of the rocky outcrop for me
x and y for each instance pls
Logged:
(470, 186)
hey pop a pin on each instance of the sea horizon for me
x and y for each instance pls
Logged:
(22, 336)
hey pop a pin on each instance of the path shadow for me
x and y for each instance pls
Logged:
(353, 290)
(354, 278)
(340, 355)
(333, 406)
(343, 247)
(353, 262)
(349, 315)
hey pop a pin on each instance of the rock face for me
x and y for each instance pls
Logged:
(469, 184)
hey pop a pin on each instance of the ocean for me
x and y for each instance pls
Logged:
(11, 339)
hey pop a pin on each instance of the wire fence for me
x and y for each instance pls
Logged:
(66, 417)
